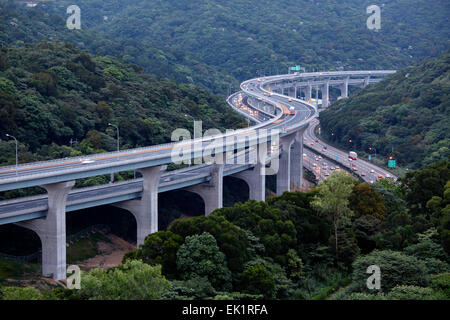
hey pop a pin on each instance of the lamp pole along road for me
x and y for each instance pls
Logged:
(17, 158)
(118, 145)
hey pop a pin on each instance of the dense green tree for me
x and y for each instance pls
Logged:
(134, 280)
(366, 228)
(231, 239)
(294, 266)
(257, 280)
(441, 284)
(364, 200)
(193, 288)
(200, 256)
(18, 293)
(411, 293)
(159, 248)
(332, 200)
(396, 269)
(275, 233)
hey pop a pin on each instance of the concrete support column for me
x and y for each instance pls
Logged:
(284, 170)
(308, 93)
(366, 81)
(256, 181)
(344, 88)
(145, 210)
(325, 95)
(212, 191)
(295, 92)
(52, 230)
(296, 159)
(317, 96)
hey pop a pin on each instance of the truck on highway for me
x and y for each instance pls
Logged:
(352, 155)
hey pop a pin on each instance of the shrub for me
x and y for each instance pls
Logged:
(396, 268)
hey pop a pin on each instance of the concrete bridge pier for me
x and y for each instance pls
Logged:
(317, 96)
(344, 88)
(308, 93)
(212, 191)
(296, 170)
(325, 95)
(52, 230)
(145, 210)
(366, 81)
(284, 170)
(256, 181)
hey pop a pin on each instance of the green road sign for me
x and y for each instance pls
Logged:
(297, 68)
(391, 163)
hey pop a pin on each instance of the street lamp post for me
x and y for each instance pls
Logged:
(118, 145)
(17, 157)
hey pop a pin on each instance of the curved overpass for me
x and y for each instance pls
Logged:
(277, 138)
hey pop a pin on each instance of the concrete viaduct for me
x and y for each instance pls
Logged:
(276, 138)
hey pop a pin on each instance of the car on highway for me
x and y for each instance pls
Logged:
(355, 169)
(372, 171)
(290, 99)
(314, 165)
(320, 157)
(332, 168)
(311, 144)
(363, 174)
(167, 179)
(380, 176)
(337, 168)
(87, 161)
(291, 111)
(326, 174)
(304, 155)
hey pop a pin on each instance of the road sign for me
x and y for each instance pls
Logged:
(391, 163)
(336, 158)
(370, 157)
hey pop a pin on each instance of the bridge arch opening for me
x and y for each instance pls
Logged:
(18, 241)
(234, 190)
(177, 204)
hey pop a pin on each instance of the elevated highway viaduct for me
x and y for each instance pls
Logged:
(274, 145)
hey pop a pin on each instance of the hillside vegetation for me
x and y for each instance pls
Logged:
(53, 93)
(249, 37)
(24, 25)
(286, 247)
(408, 113)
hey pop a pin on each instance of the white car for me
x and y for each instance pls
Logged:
(372, 171)
(87, 161)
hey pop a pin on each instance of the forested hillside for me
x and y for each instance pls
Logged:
(249, 37)
(53, 93)
(287, 247)
(408, 113)
(23, 25)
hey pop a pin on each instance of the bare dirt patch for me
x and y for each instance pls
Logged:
(110, 253)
